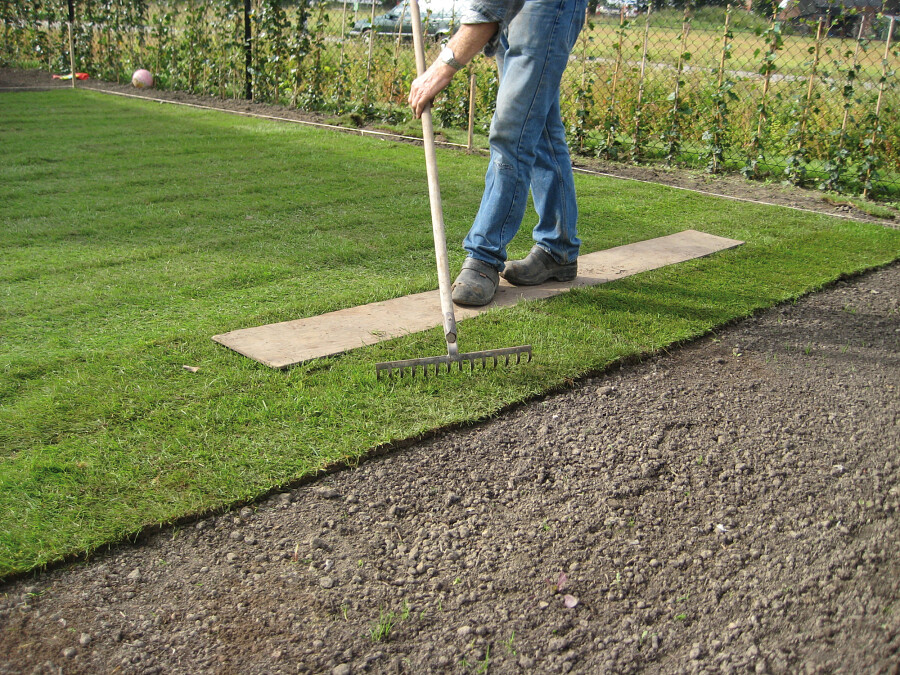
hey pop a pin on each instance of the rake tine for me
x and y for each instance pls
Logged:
(454, 361)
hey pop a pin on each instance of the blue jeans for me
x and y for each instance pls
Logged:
(528, 139)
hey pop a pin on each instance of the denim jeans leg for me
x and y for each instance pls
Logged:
(533, 54)
(553, 192)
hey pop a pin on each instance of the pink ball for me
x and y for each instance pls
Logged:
(142, 79)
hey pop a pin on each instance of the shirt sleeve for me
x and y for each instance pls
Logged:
(484, 11)
(490, 11)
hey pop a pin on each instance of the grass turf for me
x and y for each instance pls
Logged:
(134, 231)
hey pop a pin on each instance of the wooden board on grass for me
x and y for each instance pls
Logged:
(289, 343)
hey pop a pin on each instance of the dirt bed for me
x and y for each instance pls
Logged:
(730, 506)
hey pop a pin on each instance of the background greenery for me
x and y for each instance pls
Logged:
(719, 88)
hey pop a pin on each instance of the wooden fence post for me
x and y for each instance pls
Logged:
(611, 129)
(881, 85)
(812, 78)
(636, 144)
(471, 125)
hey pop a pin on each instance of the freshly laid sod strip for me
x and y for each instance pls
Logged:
(290, 343)
(132, 232)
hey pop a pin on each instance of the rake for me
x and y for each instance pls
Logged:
(443, 364)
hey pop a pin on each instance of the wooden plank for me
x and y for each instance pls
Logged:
(289, 343)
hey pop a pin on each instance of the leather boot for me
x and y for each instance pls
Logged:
(476, 284)
(538, 267)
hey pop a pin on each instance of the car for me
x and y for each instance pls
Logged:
(440, 19)
(614, 7)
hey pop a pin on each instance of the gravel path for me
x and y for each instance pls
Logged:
(729, 507)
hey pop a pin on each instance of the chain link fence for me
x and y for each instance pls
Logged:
(803, 91)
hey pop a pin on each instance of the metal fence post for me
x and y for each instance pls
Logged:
(248, 53)
(72, 41)
(369, 57)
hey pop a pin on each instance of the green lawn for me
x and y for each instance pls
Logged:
(132, 232)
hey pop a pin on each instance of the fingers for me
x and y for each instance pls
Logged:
(418, 100)
(420, 95)
(428, 85)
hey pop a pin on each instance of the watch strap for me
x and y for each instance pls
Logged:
(449, 58)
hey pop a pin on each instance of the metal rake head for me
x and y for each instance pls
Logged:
(436, 365)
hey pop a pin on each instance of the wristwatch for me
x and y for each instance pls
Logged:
(448, 58)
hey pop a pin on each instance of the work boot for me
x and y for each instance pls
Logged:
(476, 283)
(538, 267)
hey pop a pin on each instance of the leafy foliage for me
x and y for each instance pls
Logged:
(763, 95)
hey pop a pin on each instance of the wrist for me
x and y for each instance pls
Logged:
(440, 74)
(448, 58)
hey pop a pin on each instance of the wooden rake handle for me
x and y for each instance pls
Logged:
(434, 193)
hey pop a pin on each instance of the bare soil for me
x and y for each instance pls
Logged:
(729, 506)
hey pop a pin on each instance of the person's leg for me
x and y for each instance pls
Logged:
(554, 257)
(534, 53)
(553, 192)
